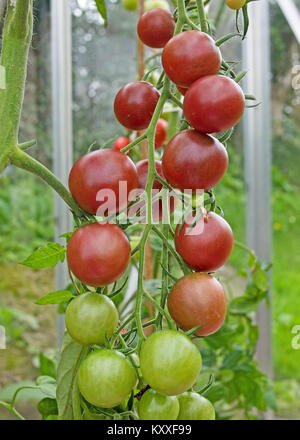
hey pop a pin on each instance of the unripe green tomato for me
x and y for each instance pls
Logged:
(235, 4)
(105, 378)
(155, 406)
(170, 362)
(91, 316)
(130, 5)
(151, 4)
(195, 407)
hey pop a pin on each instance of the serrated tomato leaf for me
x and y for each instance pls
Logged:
(46, 256)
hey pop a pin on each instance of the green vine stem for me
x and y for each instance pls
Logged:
(202, 17)
(16, 40)
(22, 160)
(12, 409)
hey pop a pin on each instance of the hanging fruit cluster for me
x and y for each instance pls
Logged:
(159, 370)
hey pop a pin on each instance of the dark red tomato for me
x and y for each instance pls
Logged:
(161, 133)
(121, 142)
(193, 160)
(102, 170)
(198, 299)
(208, 245)
(156, 27)
(189, 56)
(182, 90)
(98, 254)
(135, 104)
(213, 103)
(157, 206)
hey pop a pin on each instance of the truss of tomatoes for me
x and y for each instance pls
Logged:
(98, 254)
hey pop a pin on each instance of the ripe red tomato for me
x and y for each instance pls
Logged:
(170, 363)
(193, 160)
(98, 254)
(197, 299)
(157, 206)
(121, 142)
(189, 56)
(90, 317)
(105, 378)
(195, 407)
(155, 406)
(156, 27)
(213, 103)
(208, 245)
(135, 104)
(102, 170)
(161, 133)
(235, 4)
(182, 90)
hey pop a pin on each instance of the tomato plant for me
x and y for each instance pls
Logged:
(161, 133)
(193, 160)
(116, 348)
(105, 378)
(90, 318)
(235, 4)
(156, 27)
(170, 362)
(214, 103)
(207, 245)
(195, 407)
(198, 300)
(121, 142)
(135, 104)
(102, 170)
(130, 5)
(155, 406)
(98, 254)
(190, 55)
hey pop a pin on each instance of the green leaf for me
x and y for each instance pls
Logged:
(47, 407)
(101, 6)
(58, 297)
(47, 366)
(47, 385)
(72, 354)
(260, 279)
(244, 305)
(232, 359)
(46, 256)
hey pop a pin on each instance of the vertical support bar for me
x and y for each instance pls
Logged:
(61, 38)
(257, 132)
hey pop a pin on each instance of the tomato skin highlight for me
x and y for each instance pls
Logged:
(161, 133)
(235, 4)
(100, 170)
(135, 104)
(170, 363)
(213, 103)
(195, 407)
(156, 27)
(89, 317)
(155, 406)
(208, 245)
(121, 142)
(193, 160)
(105, 378)
(98, 254)
(190, 55)
(198, 299)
